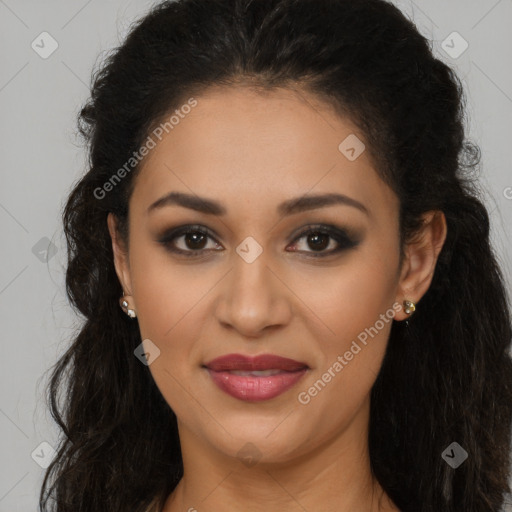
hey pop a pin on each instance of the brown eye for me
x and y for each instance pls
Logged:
(193, 241)
(319, 238)
(318, 241)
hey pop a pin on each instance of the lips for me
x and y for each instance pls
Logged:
(233, 362)
(255, 378)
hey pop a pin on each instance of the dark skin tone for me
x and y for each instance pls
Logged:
(250, 153)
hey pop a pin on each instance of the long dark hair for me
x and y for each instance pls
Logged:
(445, 378)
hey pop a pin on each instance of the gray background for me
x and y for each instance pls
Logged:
(41, 159)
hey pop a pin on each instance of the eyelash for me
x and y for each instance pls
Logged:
(344, 240)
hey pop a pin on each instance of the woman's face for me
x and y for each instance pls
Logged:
(271, 166)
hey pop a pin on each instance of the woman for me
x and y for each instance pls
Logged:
(290, 298)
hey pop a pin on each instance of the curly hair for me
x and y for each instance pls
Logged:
(446, 377)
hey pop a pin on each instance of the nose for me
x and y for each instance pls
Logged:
(253, 298)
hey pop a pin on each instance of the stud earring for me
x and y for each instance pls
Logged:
(124, 306)
(409, 307)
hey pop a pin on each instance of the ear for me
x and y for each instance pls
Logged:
(121, 262)
(420, 260)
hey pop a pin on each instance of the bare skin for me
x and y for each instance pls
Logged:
(250, 153)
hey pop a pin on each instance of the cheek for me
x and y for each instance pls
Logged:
(171, 315)
(341, 384)
(172, 310)
(358, 312)
(351, 297)
(165, 292)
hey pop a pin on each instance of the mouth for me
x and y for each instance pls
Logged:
(255, 378)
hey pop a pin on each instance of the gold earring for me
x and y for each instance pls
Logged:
(124, 306)
(409, 307)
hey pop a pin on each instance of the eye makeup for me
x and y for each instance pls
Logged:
(316, 234)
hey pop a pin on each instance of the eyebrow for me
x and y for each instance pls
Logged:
(289, 207)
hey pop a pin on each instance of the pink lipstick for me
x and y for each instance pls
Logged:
(255, 378)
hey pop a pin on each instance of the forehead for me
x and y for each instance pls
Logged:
(240, 145)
